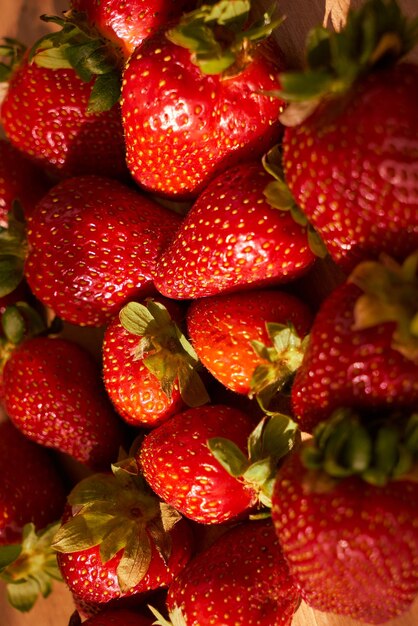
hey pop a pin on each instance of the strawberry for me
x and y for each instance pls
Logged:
(232, 239)
(114, 617)
(351, 146)
(31, 489)
(149, 367)
(194, 99)
(57, 131)
(117, 540)
(241, 579)
(53, 394)
(195, 461)
(363, 347)
(344, 509)
(97, 241)
(250, 342)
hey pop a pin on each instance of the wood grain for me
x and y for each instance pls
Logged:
(20, 19)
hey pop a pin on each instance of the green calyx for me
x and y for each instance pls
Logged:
(281, 360)
(29, 569)
(219, 36)
(390, 294)
(375, 35)
(118, 513)
(279, 196)
(13, 250)
(376, 450)
(272, 439)
(164, 350)
(11, 53)
(79, 47)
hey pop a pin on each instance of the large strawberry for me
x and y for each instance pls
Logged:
(241, 579)
(93, 243)
(194, 98)
(149, 367)
(363, 347)
(232, 238)
(54, 394)
(350, 152)
(345, 511)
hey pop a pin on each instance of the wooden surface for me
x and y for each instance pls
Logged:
(19, 18)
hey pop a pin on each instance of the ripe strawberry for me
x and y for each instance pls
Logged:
(149, 367)
(56, 130)
(345, 514)
(241, 579)
(117, 540)
(31, 489)
(231, 239)
(53, 394)
(350, 151)
(363, 349)
(96, 241)
(196, 462)
(114, 617)
(188, 115)
(250, 342)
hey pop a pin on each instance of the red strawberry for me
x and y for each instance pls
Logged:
(117, 540)
(348, 527)
(114, 617)
(363, 350)
(241, 579)
(196, 462)
(351, 163)
(188, 115)
(54, 395)
(97, 242)
(55, 129)
(149, 367)
(231, 239)
(250, 342)
(31, 489)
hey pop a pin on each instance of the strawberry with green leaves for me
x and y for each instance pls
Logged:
(351, 147)
(97, 241)
(211, 464)
(241, 579)
(194, 98)
(232, 239)
(363, 346)
(149, 367)
(344, 509)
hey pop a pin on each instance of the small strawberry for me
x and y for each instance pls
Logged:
(344, 509)
(363, 346)
(194, 98)
(117, 540)
(196, 462)
(351, 147)
(149, 367)
(251, 342)
(96, 240)
(232, 239)
(53, 393)
(31, 489)
(114, 617)
(241, 579)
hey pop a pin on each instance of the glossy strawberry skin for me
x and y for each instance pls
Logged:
(233, 239)
(343, 367)
(119, 617)
(241, 579)
(352, 547)
(353, 172)
(182, 127)
(54, 396)
(221, 329)
(31, 489)
(97, 241)
(180, 468)
(55, 130)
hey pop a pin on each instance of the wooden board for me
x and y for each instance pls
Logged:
(20, 18)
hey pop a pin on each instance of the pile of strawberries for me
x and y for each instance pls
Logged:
(242, 239)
